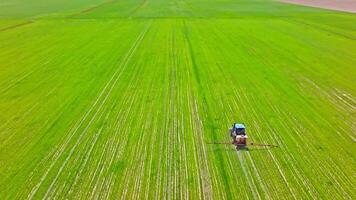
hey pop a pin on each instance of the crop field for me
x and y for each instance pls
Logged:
(119, 100)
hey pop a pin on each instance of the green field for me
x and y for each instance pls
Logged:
(118, 100)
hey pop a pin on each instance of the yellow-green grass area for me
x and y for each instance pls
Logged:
(119, 99)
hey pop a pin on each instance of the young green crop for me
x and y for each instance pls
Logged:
(118, 99)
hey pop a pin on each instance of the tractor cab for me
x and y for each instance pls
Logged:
(238, 135)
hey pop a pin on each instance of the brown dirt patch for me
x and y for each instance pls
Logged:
(341, 5)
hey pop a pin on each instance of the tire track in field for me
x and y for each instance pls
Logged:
(297, 139)
(86, 158)
(122, 120)
(182, 137)
(79, 141)
(170, 130)
(187, 123)
(324, 168)
(176, 123)
(3, 128)
(146, 141)
(319, 28)
(155, 140)
(341, 100)
(141, 145)
(107, 89)
(17, 26)
(279, 167)
(114, 145)
(120, 68)
(120, 147)
(247, 174)
(207, 190)
(139, 152)
(298, 176)
(194, 105)
(170, 124)
(119, 139)
(141, 142)
(103, 184)
(30, 111)
(82, 158)
(293, 167)
(91, 9)
(22, 118)
(129, 184)
(110, 147)
(266, 193)
(16, 81)
(139, 7)
(163, 133)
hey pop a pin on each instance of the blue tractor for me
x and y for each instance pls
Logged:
(238, 135)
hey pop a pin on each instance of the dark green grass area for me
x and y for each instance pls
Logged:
(113, 99)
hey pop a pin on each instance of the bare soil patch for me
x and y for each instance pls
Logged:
(342, 5)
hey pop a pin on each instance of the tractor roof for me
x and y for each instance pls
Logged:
(239, 126)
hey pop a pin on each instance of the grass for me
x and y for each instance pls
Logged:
(114, 99)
